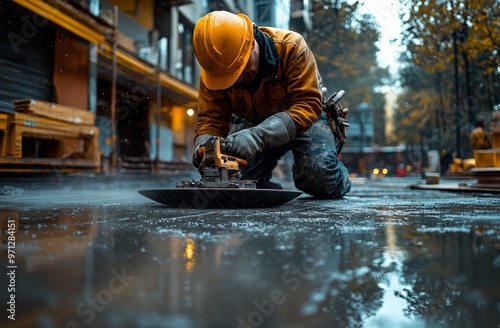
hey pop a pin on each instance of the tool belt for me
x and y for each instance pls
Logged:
(337, 116)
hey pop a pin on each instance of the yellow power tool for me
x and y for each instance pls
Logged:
(217, 169)
(220, 185)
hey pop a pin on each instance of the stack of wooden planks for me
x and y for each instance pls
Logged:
(41, 134)
(54, 111)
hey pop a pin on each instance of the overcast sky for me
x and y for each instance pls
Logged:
(386, 13)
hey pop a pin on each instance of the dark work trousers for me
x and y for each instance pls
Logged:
(317, 170)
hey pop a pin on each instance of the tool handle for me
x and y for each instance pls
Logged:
(240, 161)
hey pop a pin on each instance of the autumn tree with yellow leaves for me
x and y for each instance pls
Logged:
(442, 37)
(344, 44)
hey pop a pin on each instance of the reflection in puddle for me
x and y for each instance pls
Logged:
(104, 267)
(189, 254)
(391, 312)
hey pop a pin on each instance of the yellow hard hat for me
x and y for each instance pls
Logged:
(222, 43)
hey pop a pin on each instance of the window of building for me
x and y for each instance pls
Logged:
(185, 60)
(264, 12)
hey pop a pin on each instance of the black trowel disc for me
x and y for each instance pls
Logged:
(220, 197)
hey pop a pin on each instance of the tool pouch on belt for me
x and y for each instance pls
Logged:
(337, 116)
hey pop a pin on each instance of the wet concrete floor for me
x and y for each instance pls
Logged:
(89, 251)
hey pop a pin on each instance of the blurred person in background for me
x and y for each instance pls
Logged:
(479, 139)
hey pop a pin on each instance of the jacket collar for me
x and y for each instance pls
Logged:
(268, 53)
(268, 61)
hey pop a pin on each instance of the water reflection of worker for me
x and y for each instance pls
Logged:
(479, 139)
(269, 78)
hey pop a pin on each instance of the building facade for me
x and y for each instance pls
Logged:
(129, 63)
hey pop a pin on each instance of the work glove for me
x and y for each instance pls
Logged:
(275, 131)
(199, 142)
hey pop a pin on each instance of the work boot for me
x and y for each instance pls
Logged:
(267, 184)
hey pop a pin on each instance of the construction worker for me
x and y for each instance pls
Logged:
(260, 90)
(479, 139)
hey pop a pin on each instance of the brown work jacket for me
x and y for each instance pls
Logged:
(479, 139)
(295, 90)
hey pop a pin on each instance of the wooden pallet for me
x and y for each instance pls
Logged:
(495, 139)
(54, 137)
(54, 111)
(4, 124)
(487, 158)
(49, 165)
(37, 127)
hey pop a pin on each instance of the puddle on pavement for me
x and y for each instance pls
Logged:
(147, 266)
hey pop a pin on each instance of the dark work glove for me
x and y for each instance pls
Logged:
(275, 131)
(200, 141)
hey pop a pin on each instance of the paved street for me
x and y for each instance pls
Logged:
(90, 251)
